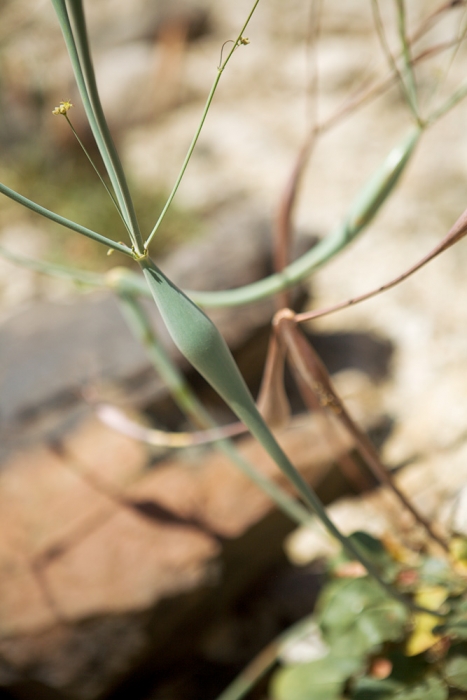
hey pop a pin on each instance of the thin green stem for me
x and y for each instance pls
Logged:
(207, 106)
(47, 268)
(366, 205)
(94, 167)
(451, 102)
(390, 58)
(64, 21)
(406, 57)
(29, 204)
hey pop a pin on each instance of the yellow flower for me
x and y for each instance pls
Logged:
(64, 107)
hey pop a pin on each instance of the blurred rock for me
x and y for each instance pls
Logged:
(95, 543)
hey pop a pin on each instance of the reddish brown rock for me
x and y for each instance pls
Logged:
(93, 541)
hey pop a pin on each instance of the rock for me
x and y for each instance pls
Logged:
(97, 543)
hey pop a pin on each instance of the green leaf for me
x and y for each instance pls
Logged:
(375, 551)
(383, 622)
(343, 599)
(322, 679)
(455, 672)
(372, 689)
(456, 623)
(432, 688)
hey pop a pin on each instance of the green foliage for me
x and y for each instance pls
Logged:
(367, 636)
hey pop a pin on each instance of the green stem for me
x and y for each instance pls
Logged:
(201, 124)
(46, 268)
(408, 67)
(29, 204)
(81, 61)
(94, 167)
(390, 58)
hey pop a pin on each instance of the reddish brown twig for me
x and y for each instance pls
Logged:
(456, 233)
(314, 373)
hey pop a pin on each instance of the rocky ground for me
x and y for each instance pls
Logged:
(95, 548)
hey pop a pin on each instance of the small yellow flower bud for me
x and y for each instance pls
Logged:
(64, 107)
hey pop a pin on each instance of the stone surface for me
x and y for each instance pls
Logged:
(94, 537)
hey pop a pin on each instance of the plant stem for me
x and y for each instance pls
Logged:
(29, 204)
(220, 70)
(78, 49)
(94, 167)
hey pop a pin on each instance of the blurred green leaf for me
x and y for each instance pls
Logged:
(360, 603)
(432, 688)
(343, 599)
(437, 572)
(322, 679)
(375, 550)
(456, 623)
(372, 689)
(455, 671)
